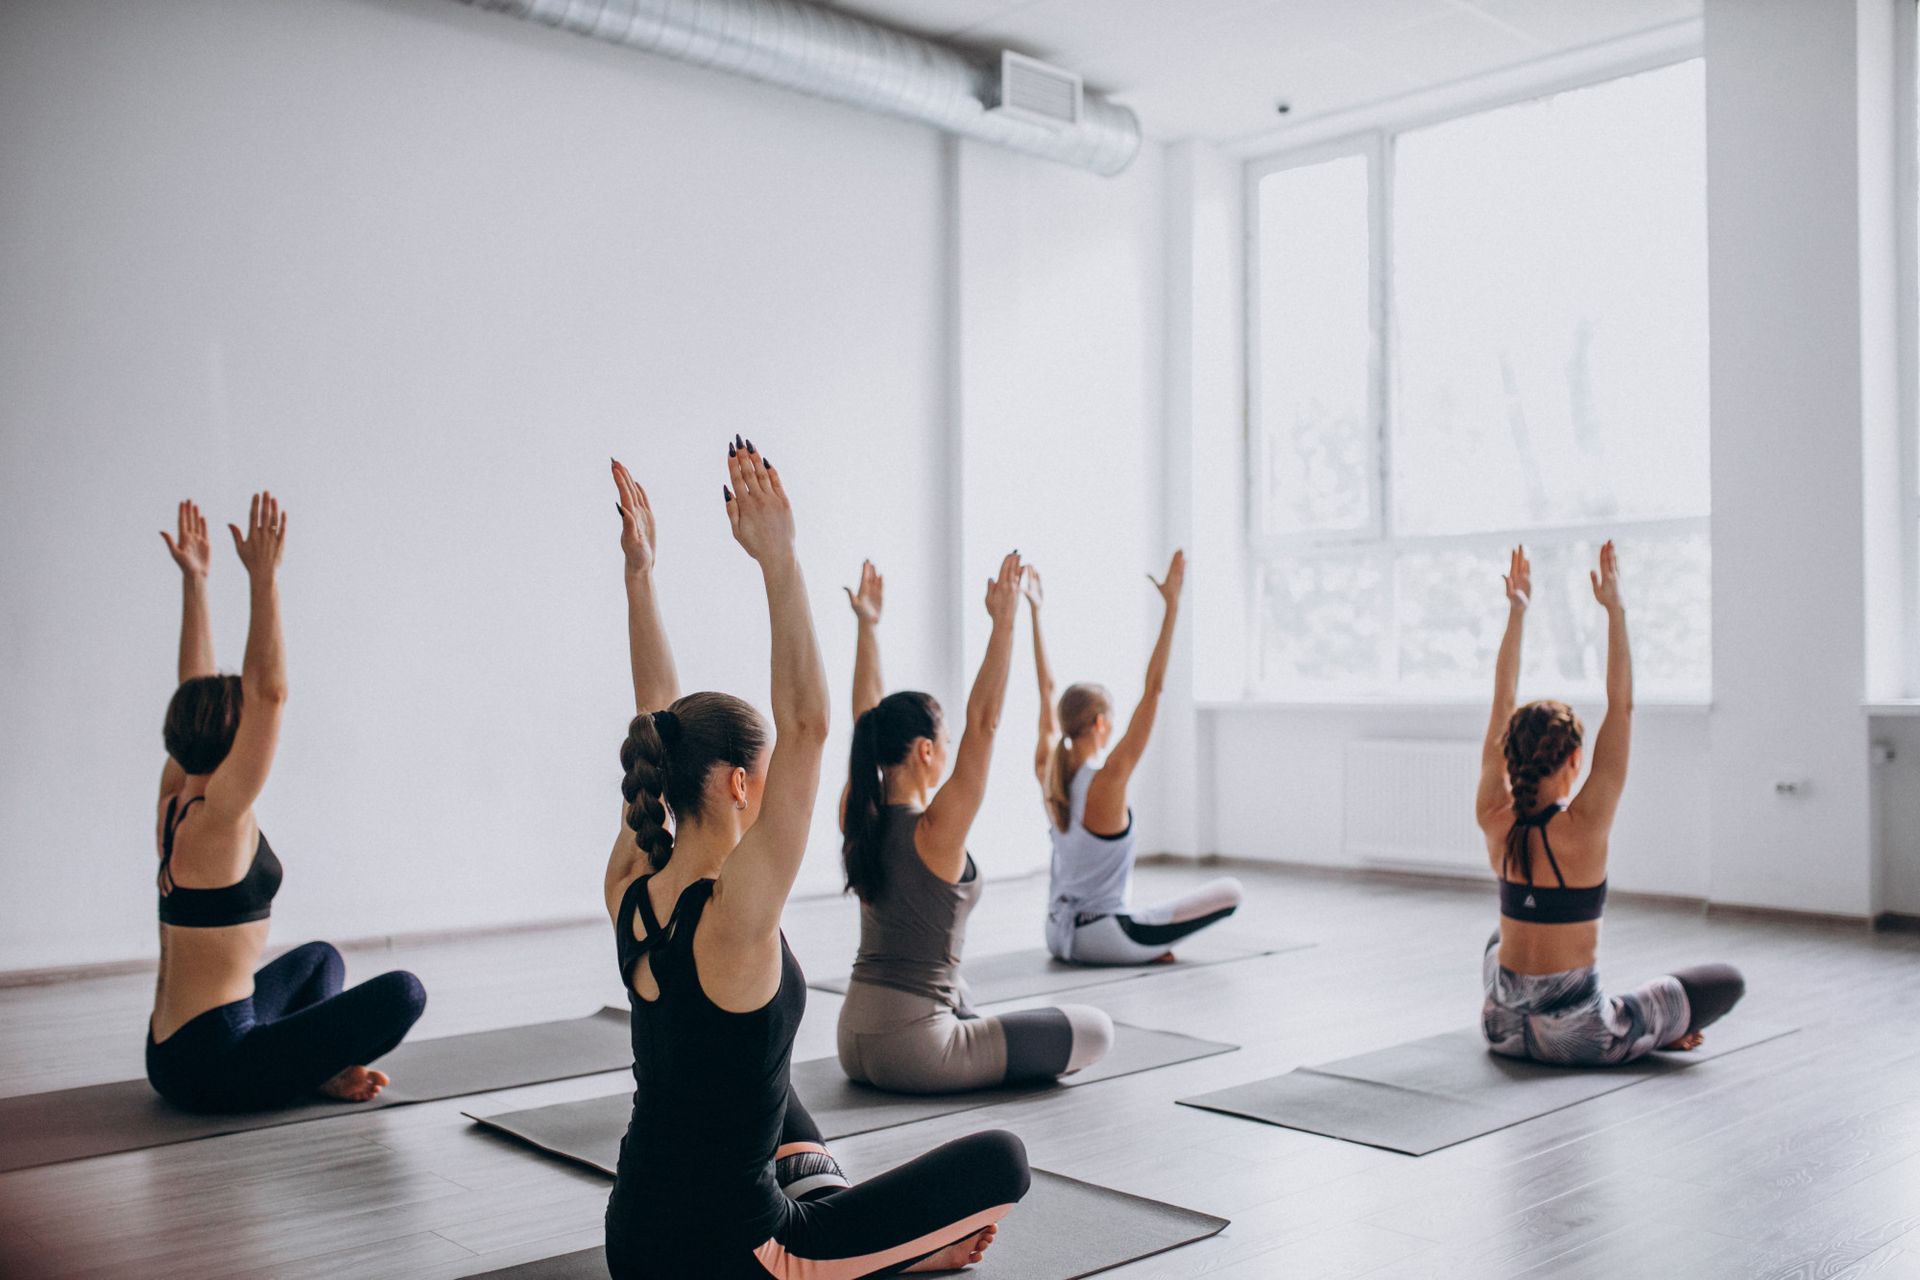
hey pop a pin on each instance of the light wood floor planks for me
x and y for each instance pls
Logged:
(1796, 1158)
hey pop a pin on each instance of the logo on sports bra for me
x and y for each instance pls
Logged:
(1530, 904)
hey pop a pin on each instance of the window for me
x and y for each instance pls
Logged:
(1487, 331)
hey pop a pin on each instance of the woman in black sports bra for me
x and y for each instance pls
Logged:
(222, 1036)
(1543, 996)
(722, 1173)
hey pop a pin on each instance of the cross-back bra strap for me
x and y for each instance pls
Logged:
(174, 817)
(1546, 847)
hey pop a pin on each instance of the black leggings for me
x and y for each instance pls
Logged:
(1711, 989)
(833, 1231)
(293, 1034)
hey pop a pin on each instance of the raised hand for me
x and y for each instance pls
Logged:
(637, 535)
(1518, 578)
(1606, 579)
(1003, 592)
(192, 550)
(757, 505)
(868, 599)
(1169, 587)
(1030, 587)
(266, 536)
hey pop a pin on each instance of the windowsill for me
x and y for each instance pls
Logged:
(1893, 707)
(1430, 702)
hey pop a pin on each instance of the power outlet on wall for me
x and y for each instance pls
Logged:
(1790, 785)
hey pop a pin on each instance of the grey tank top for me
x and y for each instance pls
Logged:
(911, 937)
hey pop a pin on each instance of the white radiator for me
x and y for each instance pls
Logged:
(1409, 805)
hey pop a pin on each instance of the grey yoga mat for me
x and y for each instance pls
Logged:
(1433, 1093)
(588, 1131)
(1063, 1230)
(1014, 975)
(71, 1124)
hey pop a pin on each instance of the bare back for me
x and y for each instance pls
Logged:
(1580, 849)
(202, 969)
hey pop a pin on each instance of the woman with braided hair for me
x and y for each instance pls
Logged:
(1543, 997)
(722, 1173)
(906, 1024)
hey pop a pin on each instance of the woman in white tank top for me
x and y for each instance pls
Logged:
(1090, 916)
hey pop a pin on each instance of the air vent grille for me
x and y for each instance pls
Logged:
(1034, 91)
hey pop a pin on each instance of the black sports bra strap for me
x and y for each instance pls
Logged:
(643, 903)
(1546, 847)
(174, 818)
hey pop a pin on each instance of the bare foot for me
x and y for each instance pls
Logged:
(1691, 1040)
(957, 1257)
(356, 1084)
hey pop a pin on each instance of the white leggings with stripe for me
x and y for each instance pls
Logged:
(1144, 934)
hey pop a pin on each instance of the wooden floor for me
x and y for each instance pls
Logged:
(1796, 1158)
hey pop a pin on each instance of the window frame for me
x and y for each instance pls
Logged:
(1907, 191)
(1377, 142)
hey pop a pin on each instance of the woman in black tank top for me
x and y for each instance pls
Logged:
(722, 1173)
(224, 1037)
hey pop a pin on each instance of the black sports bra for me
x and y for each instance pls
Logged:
(1543, 904)
(248, 899)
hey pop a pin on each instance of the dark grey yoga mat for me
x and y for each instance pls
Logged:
(588, 1131)
(71, 1124)
(1063, 1230)
(1014, 975)
(1433, 1093)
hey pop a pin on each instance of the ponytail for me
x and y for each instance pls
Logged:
(1540, 737)
(668, 756)
(882, 737)
(1080, 707)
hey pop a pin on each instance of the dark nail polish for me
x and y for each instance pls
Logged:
(622, 510)
(750, 448)
(729, 451)
(738, 442)
(727, 493)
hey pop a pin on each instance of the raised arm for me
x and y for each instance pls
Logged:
(1049, 736)
(868, 687)
(1494, 795)
(1599, 795)
(240, 778)
(649, 657)
(1107, 796)
(655, 682)
(757, 877)
(941, 837)
(192, 551)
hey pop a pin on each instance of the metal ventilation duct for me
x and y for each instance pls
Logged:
(835, 55)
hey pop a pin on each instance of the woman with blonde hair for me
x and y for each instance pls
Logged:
(1090, 918)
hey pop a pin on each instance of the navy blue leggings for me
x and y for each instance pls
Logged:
(297, 1031)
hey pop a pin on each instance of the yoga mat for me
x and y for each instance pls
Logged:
(71, 1124)
(1014, 975)
(1433, 1093)
(1063, 1230)
(588, 1131)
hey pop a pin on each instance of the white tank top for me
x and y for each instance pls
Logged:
(1092, 874)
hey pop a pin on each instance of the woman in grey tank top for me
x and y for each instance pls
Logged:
(906, 1024)
(1090, 916)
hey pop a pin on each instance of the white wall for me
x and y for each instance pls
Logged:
(1060, 308)
(1798, 386)
(421, 269)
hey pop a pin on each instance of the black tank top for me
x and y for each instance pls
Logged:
(710, 1091)
(247, 899)
(1544, 904)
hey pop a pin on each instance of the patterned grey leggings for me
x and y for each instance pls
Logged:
(1565, 1017)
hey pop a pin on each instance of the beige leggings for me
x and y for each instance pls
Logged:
(908, 1043)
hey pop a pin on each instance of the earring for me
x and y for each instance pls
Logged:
(740, 804)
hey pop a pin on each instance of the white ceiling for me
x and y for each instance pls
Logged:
(1216, 68)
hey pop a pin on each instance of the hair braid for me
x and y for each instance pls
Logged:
(1541, 736)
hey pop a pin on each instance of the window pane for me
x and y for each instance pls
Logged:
(1550, 311)
(1450, 613)
(1316, 346)
(1324, 621)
